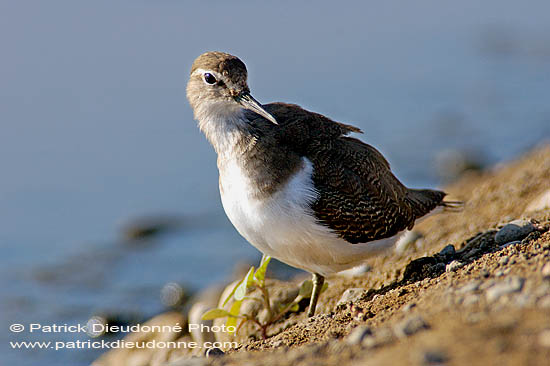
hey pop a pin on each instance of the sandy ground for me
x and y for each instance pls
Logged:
(482, 302)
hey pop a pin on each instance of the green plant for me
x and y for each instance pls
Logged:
(256, 279)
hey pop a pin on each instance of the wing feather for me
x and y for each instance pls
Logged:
(359, 197)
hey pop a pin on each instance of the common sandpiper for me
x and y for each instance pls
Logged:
(293, 183)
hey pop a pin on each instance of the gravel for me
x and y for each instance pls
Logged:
(513, 231)
(358, 334)
(351, 295)
(511, 285)
(410, 326)
(471, 287)
(453, 266)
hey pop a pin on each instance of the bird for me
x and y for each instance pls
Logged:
(294, 183)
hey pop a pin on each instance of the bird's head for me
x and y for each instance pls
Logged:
(218, 82)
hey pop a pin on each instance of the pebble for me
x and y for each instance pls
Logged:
(504, 260)
(514, 284)
(515, 230)
(453, 266)
(351, 295)
(408, 307)
(358, 334)
(515, 242)
(546, 270)
(214, 352)
(471, 287)
(542, 202)
(278, 343)
(410, 326)
(448, 251)
(434, 357)
(381, 337)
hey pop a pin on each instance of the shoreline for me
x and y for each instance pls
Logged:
(458, 293)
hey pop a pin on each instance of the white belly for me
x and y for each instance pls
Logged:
(284, 227)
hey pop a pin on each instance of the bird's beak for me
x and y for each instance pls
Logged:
(247, 102)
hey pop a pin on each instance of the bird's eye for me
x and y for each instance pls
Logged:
(209, 78)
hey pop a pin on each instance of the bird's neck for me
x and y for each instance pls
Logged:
(265, 164)
(225, 127)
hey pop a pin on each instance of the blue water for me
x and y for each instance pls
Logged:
(95, 128)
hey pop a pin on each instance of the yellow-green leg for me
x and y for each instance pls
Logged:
(318, 282)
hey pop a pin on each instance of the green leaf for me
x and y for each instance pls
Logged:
(215, 313)
(260, 272)
(240, 291)
(232, 293)
(231, 322)
(235, 308)
(325, 286)
(234, 311)
(294, 308)
(306, 289)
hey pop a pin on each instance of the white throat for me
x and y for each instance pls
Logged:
(223, 124)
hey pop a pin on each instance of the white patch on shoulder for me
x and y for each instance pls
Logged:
(284, 226)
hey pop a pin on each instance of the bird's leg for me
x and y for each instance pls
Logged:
(318, 281)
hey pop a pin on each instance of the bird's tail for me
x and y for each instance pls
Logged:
(452, 206)
(423, 201)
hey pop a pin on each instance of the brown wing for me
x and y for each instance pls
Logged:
(359, 197)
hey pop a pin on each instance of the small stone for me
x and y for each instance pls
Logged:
(546, 270)
(516, 242)
(410, 326)
(214, 352)
(278, 343)
(408, 307)
(453, 266)
(544, 338)
(381, 337)
(542, 202)
(351, 295)
(504, 260)
(514, 284)
(358, 334)
(471, 287)
(513, 231)
(434, 357)
(448, 251)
